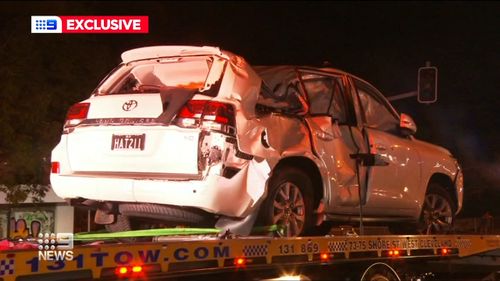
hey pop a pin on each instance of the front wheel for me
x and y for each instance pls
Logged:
(438, 211)
(289, 203)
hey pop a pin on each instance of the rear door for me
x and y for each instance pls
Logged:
(335, 137)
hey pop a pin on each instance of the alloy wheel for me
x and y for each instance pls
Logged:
(437, 214)
(289, 211)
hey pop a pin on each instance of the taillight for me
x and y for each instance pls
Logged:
(55, 168)
(207, 114)
(192, 110)
(76, 114)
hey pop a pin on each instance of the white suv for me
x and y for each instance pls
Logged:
(181, 135)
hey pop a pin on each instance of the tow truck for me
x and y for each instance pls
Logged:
(217, 257)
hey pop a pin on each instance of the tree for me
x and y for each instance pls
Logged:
(41, 77)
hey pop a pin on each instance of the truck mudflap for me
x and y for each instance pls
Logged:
(181, 256)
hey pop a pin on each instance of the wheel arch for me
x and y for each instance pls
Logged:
(310, 168)
(447, 183)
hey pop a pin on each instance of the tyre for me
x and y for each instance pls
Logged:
(122, 223)
(438, 211)
(167, 213)
(147, 216)
(289, 203)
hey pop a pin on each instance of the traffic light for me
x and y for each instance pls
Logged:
(427, 84)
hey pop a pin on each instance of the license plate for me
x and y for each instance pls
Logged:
(128, 142)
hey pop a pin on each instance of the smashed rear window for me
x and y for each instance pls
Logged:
(153, 76)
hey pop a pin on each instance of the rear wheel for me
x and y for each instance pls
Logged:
(122, 223)
(289, 203)
(438, 211)
(167, 213)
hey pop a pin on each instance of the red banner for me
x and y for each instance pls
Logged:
(105, 24)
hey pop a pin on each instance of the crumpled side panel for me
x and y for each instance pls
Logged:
(267, 137)
(242, 84)
(245, 188)
(334, 145)
(273, 137)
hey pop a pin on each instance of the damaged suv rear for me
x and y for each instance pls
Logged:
(162, 129)
(193, 136)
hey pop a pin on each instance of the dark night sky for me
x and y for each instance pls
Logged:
(382, 42)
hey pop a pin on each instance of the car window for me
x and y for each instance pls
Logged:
(325, 96)
(150, 76)
(338, 108)
(320, 95)
(377, 114)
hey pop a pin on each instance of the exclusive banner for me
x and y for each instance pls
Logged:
(89, 24)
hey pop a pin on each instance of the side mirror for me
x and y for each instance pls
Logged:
(407, 125)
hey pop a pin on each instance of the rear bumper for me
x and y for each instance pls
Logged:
(149, 181)
(214, 194)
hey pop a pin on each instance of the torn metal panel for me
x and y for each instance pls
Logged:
(277, 78)
(248, 186)
(172, 101)
(238, 226)
(274, 136)
(216, 148)
(217, 153)
(334, 145)
(241, 84)
(217, 67)
(282, 90)
(257, 174)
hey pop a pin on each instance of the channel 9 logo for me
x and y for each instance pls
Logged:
(89, 24)
(55, 247)
(46, 24)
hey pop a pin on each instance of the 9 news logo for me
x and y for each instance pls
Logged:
(89, 24)
(46, 24)
(55, 247)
